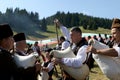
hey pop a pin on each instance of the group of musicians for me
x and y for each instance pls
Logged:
(10, 71)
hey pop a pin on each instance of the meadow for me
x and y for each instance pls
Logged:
(51, 31)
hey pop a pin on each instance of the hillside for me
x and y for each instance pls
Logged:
(51, 33)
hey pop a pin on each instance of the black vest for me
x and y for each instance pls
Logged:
(45, 65)
(80, 44)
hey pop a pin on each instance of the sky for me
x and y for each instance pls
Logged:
(97, 8)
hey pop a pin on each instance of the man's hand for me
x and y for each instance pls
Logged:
(38, 67)
(57, 61)
(57, 23)
(91, 49)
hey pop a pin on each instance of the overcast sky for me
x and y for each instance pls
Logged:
(97, 8)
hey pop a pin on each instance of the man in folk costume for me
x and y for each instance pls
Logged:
(20, 41)
(79, 50)
(113, 52)
(8, 68)
(20, 44)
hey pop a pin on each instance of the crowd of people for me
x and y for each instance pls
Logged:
(16, 44)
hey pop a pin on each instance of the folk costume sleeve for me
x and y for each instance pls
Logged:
(78, 60)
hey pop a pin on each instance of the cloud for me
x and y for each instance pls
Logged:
(86, 12)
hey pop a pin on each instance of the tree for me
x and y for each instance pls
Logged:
(44, 24)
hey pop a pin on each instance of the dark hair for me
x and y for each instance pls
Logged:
(36, 42)
(76, 29)
(62, 38)
(89, 37)
(49, 50)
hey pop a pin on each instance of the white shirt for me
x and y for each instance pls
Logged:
(65, 45)
(117, 59)
(65, 32)
(78, 60)
(34, 48)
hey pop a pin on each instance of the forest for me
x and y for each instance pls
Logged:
(29, 22)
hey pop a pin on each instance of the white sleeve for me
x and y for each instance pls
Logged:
(34, 49)
(50, 66)
(65, 45)
(117, 49)
(78, 60)
(65, 32)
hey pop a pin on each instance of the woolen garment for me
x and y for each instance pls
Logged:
(31, 73)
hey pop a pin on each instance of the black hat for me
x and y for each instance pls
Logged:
(19, 37)
(5, 31)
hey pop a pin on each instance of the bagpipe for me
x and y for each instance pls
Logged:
(110, 66)
(77, 73)
(25, 61)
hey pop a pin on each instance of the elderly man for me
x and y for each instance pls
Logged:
(21, 46)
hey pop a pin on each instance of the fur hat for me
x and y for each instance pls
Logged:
(5, 31)
(116, 23)
(19, 37)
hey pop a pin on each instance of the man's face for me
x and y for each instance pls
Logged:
(115, 34)
(9, 42)
(22, 44)
(75, 36)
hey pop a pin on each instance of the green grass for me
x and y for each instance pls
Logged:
(99, 30)
(51, 33)
(52, 29)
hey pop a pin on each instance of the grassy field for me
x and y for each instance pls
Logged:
(51, 32)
